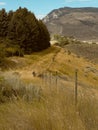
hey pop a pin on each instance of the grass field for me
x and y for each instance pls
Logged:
(46, 101)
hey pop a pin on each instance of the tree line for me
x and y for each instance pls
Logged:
(21, 31)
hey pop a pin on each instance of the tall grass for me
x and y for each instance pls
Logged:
(13, 88)
(55, 110)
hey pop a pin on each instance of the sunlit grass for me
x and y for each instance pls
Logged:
(53, 105)
(55, 110)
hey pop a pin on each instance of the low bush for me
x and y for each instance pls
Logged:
(13, 88)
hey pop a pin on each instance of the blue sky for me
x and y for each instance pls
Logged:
(42, 7)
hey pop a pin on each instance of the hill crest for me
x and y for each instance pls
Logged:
(82, 23)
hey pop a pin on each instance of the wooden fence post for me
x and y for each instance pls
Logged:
(76, 86)
(50, 80)
(45, 78)
(56, 82)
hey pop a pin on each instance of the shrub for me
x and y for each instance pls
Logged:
(14, 51)
(12, 88)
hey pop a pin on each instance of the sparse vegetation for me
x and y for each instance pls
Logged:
(47, 102)
(78, 22)
(63, 40)
(86, 50)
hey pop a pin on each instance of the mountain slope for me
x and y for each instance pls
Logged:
(82, 23)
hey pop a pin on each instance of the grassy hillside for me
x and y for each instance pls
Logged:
(38, 92)
(88, 51)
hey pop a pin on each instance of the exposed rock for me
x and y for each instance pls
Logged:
(82, 23)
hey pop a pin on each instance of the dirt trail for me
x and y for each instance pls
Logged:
(42, 67)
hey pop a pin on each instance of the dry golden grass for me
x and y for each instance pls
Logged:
(55, 110)
(56, 59)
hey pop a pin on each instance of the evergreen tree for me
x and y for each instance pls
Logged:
(44, 35)
(3, 23)
(21, 28)
(10, 15)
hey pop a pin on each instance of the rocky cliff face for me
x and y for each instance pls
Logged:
(82, 23)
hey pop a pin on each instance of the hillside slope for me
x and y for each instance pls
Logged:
(88, 51)
(82, 23)
(56, 59)
(45, 84)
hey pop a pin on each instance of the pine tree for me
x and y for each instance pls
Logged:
(26, 31)
(3, 23)
(44, 35)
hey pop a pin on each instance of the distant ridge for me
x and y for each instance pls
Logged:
(81, 23)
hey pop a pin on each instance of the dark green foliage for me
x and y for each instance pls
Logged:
(3, 23)
(25, 31)
(22, 29)
(10, 15)
(2, 53)
(44, 36)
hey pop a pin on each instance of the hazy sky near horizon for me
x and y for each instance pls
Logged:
(42, 7)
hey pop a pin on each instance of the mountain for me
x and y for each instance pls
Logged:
(81, 23)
